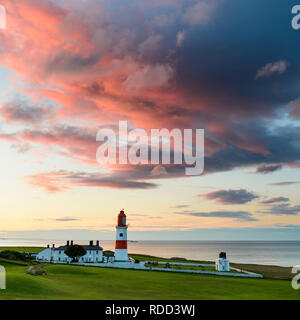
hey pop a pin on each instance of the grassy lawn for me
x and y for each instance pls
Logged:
(269, 272)
(74, 282)
(181, 267)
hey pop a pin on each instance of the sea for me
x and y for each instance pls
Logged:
(281, 253)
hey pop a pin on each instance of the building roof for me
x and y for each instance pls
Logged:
(94, 247)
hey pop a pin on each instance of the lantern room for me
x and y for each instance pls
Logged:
(122, 219)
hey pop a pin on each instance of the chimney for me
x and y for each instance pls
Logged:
(71, 242)
(91, 243)
(48, 246)
(68, 243)
(53, 246)
(97, 243)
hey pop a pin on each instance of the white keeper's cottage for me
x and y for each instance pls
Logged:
(94, 253)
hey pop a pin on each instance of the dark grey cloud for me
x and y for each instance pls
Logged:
(60, 133)
(76, 142)
(283, 209)
(21, 147)
(240, 196)
(180, 206)
(59, 181)
(70, 63)
(139, 215)
(264, 169)
(236, 215)
(284, 183)
(275, 200)
(67, 219)
(21, 111)
(233, 156)
(113, 181)
(288, 226)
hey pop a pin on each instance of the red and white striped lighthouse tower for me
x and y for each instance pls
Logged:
(121, 253)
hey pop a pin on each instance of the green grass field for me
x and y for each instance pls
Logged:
(74, 282)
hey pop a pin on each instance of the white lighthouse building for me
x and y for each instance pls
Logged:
(121, 253)
(222, 264)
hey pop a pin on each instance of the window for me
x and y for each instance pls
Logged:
(97, 252)
(121, 234)
(124, 220)
(59, 252)
(58, 259)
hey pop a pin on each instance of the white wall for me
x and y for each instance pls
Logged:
(222, 264)
(121, 255)
(60, 256)
(45, 255)
(92, 256)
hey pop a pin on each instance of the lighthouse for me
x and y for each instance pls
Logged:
(121, 253)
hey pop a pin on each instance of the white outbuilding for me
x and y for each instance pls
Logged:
(222, 263)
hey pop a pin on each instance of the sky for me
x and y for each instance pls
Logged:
(69, 68)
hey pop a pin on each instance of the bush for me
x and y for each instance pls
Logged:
(14, 255)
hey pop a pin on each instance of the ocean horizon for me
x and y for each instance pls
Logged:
(281, 253)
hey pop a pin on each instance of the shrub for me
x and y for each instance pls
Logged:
(14, 255)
